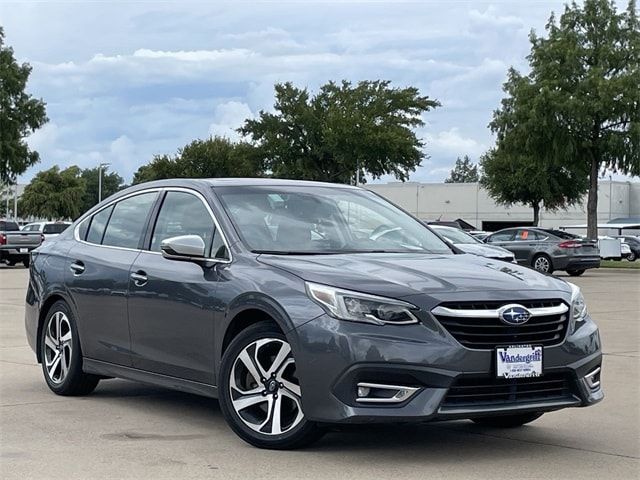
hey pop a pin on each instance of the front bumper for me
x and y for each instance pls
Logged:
(333, 356)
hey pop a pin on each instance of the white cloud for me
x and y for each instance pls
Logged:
(228, 117)
(452, 142)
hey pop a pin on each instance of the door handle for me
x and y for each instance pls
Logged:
(77, 267)
(139, 278)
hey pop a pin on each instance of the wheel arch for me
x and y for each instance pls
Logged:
(51, 299)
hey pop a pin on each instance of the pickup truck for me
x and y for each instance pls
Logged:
(15, 245)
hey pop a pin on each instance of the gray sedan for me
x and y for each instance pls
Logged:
(548, 250)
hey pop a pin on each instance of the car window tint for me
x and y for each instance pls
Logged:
(98, 224)
(128, 221)
(218, 248)
(182, 214)
(523, 235)
(83, 228)
(501, 237)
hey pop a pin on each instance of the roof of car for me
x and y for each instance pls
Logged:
(242, 182)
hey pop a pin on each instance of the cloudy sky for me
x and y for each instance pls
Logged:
(126, 80)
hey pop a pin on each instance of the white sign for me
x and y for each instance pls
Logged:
(521, 361)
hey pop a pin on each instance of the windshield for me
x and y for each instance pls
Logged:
(323, 220)
(456, 236)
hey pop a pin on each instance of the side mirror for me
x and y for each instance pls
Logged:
(184, 247)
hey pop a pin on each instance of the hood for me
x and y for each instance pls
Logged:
(399, 274)
(484, 250)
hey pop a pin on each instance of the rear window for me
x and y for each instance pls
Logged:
(9, 226)
(52, 228)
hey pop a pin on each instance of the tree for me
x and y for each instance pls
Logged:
(582, 94)
(513, 177)
(342, 133)
(464, 171)
(214, 157)
(54, 194)
(20, 115)
(111, 183)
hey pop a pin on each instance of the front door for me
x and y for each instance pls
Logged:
(172, 302)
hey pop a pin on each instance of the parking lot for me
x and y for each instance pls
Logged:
(129, 430)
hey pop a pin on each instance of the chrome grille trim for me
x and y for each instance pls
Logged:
(464, 313)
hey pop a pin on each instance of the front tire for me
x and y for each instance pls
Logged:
(542, 263)
(260, 395)
(507, 421)
(61, 355)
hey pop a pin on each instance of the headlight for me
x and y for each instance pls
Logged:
(361, 307)
(578, 306)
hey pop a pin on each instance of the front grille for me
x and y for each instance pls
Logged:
(487, 392)
(476, 329)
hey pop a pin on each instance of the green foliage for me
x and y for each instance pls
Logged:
(111, 183)
(578, 110)
(54, 194)
(464, 171)
(344, 129)
(20, 115)
(214, 157)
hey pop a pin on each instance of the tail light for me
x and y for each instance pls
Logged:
(3, 239)
(570, 244)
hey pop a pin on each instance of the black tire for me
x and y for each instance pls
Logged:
(11, 263)
(507, 421)
(26, 262)
(74, 382)
(632, 256)
(540, 260)
(303, 433)
(575, 273)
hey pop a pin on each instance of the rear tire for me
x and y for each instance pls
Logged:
(575, 273)
(61, 354)
(542, 263)
(26, 263)
(11, 263)
(632, 257)
(248, 403)
(507, 421)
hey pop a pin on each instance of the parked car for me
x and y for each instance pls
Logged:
(15, 245)
(49, 230)
(469, 244)
(633, 243)
(548, 250)
(281, 299)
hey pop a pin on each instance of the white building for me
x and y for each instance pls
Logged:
(472, 203)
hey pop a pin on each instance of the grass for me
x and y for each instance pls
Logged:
(620, 264)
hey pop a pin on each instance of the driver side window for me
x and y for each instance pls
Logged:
(184, 214)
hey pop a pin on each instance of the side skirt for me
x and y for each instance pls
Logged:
(106, 369)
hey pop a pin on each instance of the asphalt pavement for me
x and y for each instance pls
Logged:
(130, 430)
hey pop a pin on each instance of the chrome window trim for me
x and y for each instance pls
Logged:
(535, 312)
(150, 190)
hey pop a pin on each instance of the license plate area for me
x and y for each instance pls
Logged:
(519, 361)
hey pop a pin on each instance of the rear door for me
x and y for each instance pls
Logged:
(98, 275)
(171, 302)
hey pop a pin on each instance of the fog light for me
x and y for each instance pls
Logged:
(379, 393)
(363, 391)
(593, 379)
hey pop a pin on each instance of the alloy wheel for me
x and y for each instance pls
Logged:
(264, 390)
(58, 347)
(542, 264)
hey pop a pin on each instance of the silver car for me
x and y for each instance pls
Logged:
(548, 250)
(469, 244)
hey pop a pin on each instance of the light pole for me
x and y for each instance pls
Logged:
(101, 167)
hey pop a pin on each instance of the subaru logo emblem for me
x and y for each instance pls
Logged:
(514, 314)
